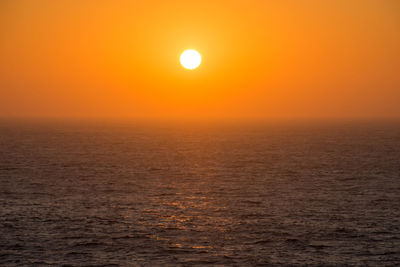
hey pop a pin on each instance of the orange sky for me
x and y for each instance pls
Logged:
(260, 58)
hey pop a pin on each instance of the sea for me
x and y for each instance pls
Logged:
(220, 193)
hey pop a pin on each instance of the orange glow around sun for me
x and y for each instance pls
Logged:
(260, 58)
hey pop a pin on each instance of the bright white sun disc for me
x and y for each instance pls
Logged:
(190, 59)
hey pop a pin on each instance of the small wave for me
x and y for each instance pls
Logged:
(89, 244)
(8, 168)
(263, 241)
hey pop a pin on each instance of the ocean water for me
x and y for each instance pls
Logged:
(228, 194)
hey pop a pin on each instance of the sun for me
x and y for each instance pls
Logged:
(190, 59)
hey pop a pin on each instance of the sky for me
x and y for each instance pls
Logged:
(263, 59)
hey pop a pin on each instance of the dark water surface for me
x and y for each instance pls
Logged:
(278, 193)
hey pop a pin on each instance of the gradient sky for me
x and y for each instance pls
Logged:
(289, 58)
